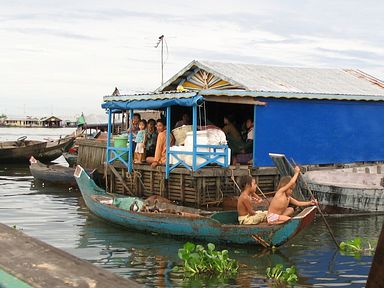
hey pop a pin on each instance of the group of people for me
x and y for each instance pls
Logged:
(279, 210)
(150, 146)
(149, 139)
(241, 146)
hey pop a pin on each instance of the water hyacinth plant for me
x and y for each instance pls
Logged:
(357, 246)
(198, 260)
(281, 276)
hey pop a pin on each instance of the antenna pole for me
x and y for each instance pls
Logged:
(161, 40)
(162, 59)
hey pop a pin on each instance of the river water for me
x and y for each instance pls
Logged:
(57, 215)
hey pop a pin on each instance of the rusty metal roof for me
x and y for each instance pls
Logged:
(287, 79)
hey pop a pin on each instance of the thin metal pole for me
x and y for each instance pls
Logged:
(130, 165)
(194, 136)
(167, 141)
(162, 60)
(254, 137)
(109, 134)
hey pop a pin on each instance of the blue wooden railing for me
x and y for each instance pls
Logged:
(213, 156)
(117, 153)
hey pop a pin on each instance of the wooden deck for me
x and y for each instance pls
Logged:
(207, 186)
(41, 265)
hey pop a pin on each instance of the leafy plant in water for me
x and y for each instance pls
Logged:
(357, 246)
(15, 227)
(282, 276)
(198, 260)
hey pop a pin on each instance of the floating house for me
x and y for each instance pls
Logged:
(15, 121)
(316, 116)
(51, 122)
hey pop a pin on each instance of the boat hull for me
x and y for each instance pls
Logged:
(348, 200)
(53, 173)
(70, 158)
(20, 152)
(348, 190)
(191, 226)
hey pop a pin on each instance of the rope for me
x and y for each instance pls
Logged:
(258, 188)
(234, 181)
(140, 176)
(205, 115)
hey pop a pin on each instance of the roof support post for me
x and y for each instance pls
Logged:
(167, 141)
(194, 136)
(254, 137)
(109, 135)
(130, 144)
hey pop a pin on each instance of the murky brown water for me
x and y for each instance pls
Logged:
(58, 216)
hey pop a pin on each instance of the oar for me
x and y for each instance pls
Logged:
(318, 208)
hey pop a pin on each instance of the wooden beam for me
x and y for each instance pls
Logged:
(42, 265)
(118, 176)
(234, 100)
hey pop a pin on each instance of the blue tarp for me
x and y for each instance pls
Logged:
(152, 104)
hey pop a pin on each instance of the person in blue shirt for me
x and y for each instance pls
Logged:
(141, 138)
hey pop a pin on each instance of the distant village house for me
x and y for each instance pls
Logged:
(51, 122)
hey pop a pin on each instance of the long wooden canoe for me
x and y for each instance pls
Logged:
(45, 151)
(221, 226)
(52, 173)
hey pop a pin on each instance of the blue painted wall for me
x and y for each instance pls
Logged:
(320, 132)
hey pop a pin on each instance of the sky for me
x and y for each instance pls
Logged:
(62, 57)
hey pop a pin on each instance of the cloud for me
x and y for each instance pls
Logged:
(85, 48)
(52, 32)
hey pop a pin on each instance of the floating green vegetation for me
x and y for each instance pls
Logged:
(357, 247)
(15, 227)
(198, 260)
(282, 277)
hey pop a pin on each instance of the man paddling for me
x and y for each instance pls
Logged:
(245, 202)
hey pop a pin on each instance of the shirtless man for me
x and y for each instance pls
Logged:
(278, 211)
(244, 204)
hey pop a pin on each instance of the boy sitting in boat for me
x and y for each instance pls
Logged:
(278, 211)
(246, 200)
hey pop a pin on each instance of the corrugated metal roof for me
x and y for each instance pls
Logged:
(288, 79)
(150, 96)
(289, 95)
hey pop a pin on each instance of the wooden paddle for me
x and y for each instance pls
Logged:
(318, 208)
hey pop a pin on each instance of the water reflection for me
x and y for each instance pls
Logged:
(149, 258)
(57, 215)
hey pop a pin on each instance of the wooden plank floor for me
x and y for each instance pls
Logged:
(42, 265)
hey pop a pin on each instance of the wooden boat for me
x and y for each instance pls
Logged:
(355, 190)
(187, 222)
(349, 190)
(70, 158)
(45, 151)
(54, 173)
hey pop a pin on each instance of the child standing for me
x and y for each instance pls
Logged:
(141, 138)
